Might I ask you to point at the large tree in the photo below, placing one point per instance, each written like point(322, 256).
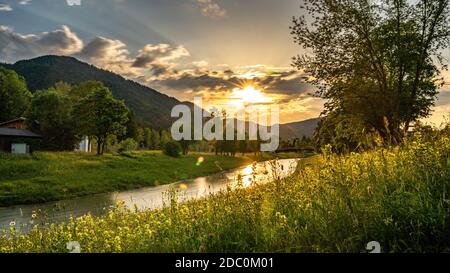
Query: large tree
point(14, 95)
point(99, 115)
point(376, 62)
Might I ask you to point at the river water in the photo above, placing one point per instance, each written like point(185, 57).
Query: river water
point(148, 197)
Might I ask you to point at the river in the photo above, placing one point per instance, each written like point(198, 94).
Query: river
point(148, 197)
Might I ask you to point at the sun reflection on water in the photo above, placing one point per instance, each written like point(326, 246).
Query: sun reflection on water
point(246, 176)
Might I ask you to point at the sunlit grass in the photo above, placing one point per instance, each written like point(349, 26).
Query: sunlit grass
point(398, 197)
point(53, 176)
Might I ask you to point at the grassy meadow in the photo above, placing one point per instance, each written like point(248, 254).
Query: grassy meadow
point(396, 196)
point(46, 176)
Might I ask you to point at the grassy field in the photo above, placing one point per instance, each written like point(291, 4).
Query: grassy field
point(54, 176)
point(398, 197)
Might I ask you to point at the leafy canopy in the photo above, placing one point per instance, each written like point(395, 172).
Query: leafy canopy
point(376, 62)
point(50, 115)
point(99, 115)
point(14, 95)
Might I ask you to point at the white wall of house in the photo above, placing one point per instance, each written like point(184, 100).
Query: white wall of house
point(84, 146)
point(19, 148)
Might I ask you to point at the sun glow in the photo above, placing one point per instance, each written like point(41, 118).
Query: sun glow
point(248, 95)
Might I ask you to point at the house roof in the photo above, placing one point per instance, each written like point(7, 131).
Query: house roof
point(12, 121)
point(7, 132)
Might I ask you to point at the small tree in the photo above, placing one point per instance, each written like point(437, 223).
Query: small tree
point(166, 137)
point(14, 95)
point(132, 127)
point(172, 149)
point(185, 144)
point(243, 146)
point(100, 115)
point(50, 115)
point(148, 138)
point(156, 140)
point(128, 144)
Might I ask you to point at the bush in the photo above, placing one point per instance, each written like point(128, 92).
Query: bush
point(172, 149)
point(128, 144)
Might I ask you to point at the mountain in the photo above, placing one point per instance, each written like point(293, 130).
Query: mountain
point(148, 104)
point(289, 131)
point(298, 129)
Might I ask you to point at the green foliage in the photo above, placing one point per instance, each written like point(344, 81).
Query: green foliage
point(84, 89)
point(376, 62)
point(398, 197)
point(50, 115)
point(166, 137)
point(148, 104)
point(64, 113)
point(156, 140)
point(14, 95)
point(128, 144)
point(147, 138)
point(99, 115)
point(132, 128)
point(229, 147)
point(172, 148)
point(345, 134)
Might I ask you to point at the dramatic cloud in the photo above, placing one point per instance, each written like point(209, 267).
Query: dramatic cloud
point(15, 46)
point(285, 82)
point(62, 41)
point(5, 7)
point(108, 54)
point(162, 53)
point(153, 61)
point(164, 67)
point(211, 9)
point(159, 59)
point(104, 50)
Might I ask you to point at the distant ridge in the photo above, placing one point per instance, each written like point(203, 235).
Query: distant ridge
point(153, 107)
point(298, 129)
point(148, 104)
point(293, 130)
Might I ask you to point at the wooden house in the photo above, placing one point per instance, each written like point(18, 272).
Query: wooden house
point(15, 137)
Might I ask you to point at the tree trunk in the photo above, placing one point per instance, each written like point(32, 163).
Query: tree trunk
point(104, 146)
point(99, 146)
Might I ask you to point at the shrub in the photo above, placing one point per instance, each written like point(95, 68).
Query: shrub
point(128, 144)
point(172, 149)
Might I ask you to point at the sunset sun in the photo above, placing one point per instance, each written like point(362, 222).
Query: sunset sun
point(248, 95)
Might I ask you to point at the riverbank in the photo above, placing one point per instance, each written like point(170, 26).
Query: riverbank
point(397, 197)
point(44, 177)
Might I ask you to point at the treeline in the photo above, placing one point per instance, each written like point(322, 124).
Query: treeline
point(219, 147)
point(65, 114)
point(140, 136)
point(297, 143)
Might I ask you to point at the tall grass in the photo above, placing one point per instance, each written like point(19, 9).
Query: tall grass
point(398, 197)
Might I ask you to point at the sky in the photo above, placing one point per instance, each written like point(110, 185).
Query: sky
point(226, 51)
